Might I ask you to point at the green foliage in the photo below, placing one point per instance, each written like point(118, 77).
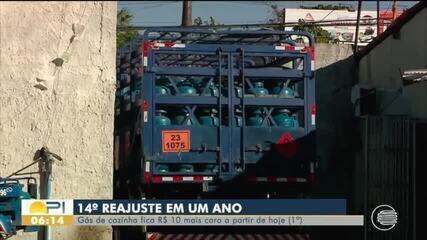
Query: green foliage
point(124, 17)
point(198, 21)
point(276, 14)
point(320, 34)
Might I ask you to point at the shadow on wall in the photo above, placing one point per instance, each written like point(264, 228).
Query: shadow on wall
point(338, 141)
point(336, 127)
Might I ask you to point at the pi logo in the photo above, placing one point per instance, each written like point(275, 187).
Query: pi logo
point(47, 207)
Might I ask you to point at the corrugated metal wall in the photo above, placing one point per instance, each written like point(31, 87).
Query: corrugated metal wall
point(386, 173)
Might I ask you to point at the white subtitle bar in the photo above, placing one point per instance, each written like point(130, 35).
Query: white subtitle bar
point(221, 220)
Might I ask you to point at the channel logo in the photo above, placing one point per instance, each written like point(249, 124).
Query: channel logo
point(47, 207)
point(384, 217)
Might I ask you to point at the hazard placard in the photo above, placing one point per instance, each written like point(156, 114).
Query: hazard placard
point(176, 140)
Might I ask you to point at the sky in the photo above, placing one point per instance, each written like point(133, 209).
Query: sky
point(168, 13)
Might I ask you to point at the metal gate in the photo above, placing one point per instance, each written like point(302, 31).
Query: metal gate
point(387, 169)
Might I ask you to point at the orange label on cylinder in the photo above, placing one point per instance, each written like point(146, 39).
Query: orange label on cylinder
point(176, 141)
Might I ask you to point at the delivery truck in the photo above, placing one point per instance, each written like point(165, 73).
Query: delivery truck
point(215, 111)
point(216, 114)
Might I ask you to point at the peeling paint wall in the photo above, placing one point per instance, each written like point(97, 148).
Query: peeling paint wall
point(57, 83)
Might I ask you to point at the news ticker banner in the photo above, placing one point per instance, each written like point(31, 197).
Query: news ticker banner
point(237, 212)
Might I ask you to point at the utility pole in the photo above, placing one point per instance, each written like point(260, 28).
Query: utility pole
point(284, 18)
point(356, 39)
point(186, 14)
point(378, 17)
point(393, 9)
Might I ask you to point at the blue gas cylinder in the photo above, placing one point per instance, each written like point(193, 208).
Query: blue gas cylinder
point(183, 118)
point(211, 168)
point(283, 90)
point(197, 82)
point(258, 89)
point(211, 90)
point(186, 168)
point(255, 118)
point(186, 88)
point(283, 118)
point(160, 119)
point(162, 86)
point(162, 168)
point(209, 118)
point(162, 90)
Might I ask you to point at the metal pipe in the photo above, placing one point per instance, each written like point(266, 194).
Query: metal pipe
point(356, 39)
point(20, 170)
point(45, 191)
point(219, 51)
point(45, 168)
point(242, 76)
point(47, 235)
point(231, 118)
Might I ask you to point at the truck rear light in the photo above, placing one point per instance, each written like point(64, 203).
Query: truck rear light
point(313, 114)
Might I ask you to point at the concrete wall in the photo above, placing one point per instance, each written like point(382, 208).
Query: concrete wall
point(328, 54)
point(380, 68)
point(74, 115)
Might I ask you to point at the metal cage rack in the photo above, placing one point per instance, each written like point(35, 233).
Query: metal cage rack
point(225, 59)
